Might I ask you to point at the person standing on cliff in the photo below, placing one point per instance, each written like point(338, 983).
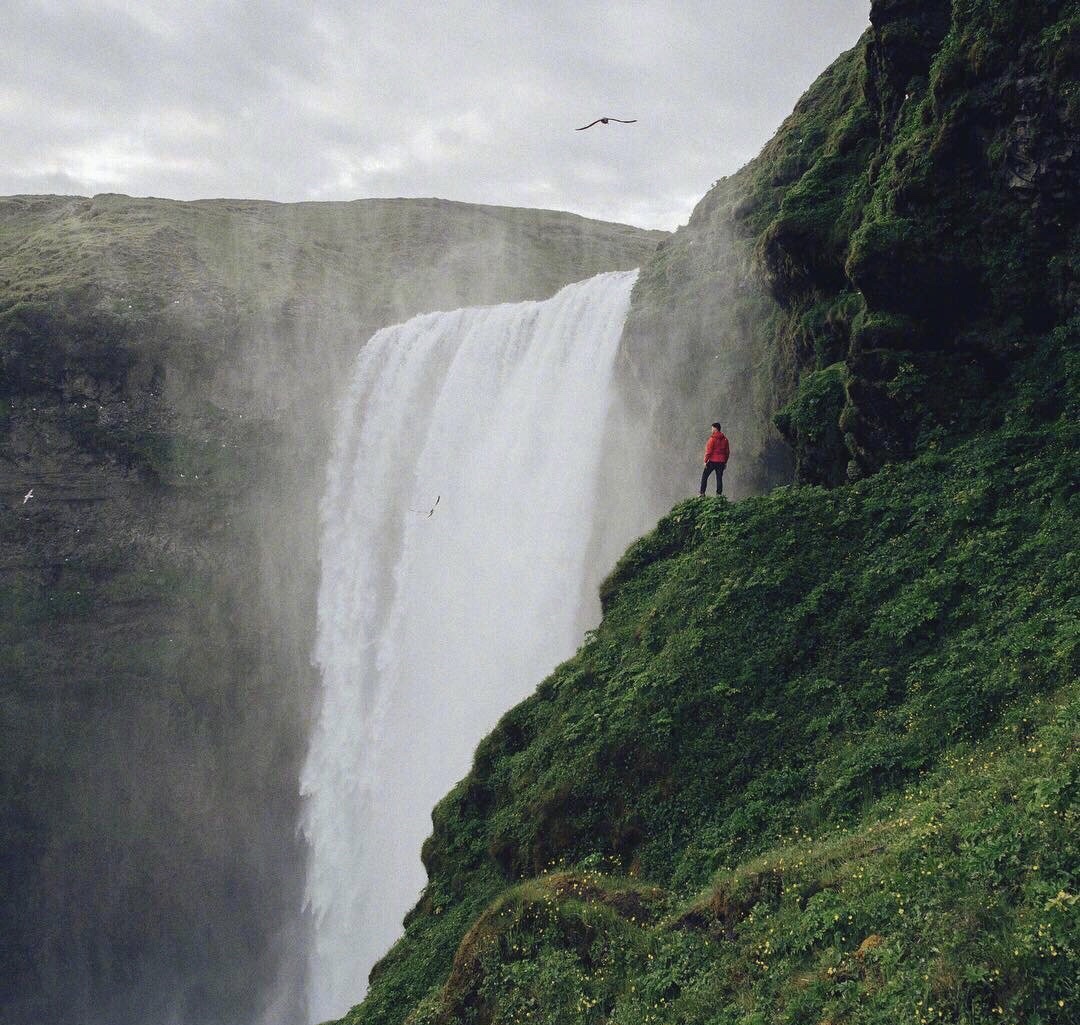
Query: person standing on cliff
point(717, 450)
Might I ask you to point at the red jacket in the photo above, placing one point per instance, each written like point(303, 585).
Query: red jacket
point(717, 449)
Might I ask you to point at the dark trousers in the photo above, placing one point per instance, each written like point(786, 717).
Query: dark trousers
point(709, 468)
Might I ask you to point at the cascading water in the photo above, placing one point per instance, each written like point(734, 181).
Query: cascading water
point(431, 624)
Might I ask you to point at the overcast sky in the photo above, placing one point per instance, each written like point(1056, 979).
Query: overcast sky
point(477, 101)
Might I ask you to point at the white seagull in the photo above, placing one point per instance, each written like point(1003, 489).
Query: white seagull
point(28, 496)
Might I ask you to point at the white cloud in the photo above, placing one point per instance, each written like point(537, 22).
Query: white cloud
point(466, 100)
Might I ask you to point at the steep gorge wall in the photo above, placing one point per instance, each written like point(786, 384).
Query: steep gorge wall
point(931, 244)
point(882, 265)
point(169, 376)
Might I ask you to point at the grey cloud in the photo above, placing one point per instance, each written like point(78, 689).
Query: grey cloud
point(472, 101)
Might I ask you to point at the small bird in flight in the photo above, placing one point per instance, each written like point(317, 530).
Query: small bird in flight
point(28, 496)
point(420, 512)
point(604, 121)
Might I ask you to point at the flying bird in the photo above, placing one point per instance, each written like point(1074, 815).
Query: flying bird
point(28, 496)
point(604, 121)
point(420, 512)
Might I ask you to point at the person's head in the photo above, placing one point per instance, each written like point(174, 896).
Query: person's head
point(716, 426)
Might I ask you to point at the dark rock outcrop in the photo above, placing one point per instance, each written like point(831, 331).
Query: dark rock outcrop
point(913, 221)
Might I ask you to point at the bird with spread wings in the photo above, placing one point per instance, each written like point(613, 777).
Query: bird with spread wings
point(604, 121)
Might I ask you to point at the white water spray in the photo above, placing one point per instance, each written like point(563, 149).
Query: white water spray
point(431, 626)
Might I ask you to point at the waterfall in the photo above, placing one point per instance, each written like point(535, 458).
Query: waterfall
point(433, 623)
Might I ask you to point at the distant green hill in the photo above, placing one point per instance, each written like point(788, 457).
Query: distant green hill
point(360, 253)
point(819, 762)
point(263, 297)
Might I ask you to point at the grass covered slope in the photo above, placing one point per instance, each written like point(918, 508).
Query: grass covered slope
point(818, 763)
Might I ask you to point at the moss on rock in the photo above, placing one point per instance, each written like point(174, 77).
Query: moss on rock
point(811, 421)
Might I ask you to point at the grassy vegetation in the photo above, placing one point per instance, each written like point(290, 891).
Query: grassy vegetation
point(812, 422)
point(829, 735)
point(952, 901)
point(818, 764)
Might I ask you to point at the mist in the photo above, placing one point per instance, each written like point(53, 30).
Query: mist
point(172, 381)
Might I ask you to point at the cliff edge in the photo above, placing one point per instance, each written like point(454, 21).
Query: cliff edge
point(817, 762)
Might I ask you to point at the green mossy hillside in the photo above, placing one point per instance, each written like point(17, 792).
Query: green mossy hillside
point(952, 901)
point(931, 239)
point(914, 218)
point(818, 764)
point(826, 737)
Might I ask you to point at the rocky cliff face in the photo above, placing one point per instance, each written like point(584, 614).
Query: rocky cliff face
point(900, 244)
point(169, 374)
point(947, 251)
point(710, 333)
